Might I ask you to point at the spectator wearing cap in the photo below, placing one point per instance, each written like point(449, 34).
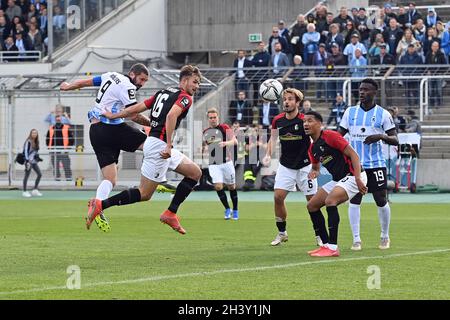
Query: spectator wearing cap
point(358, 69)
point(411, 57)
point(432, 18)
point(334, 37)
point(361, 25)
point(276, 38)
point(297, 34)
point(384, 57)
point(311, 42)
point(435, 57)
point(284, 33)
point(349, 50)
point(392, 36)
point(375, 49)
point(412, 16)
point(388, 13)
point(407, 39)
point(349, 32)
point(335, 59)
point(319, 59)
point(342, 19)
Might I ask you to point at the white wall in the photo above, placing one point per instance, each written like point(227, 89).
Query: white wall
point(140, 32)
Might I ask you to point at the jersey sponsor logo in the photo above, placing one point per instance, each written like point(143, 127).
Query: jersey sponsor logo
point(185, 102)
point(290, 137)
point(326, 159)
point(132, 94)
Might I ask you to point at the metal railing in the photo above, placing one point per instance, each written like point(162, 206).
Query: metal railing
point(16, 56)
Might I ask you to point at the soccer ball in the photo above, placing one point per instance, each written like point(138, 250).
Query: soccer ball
point(270, 90)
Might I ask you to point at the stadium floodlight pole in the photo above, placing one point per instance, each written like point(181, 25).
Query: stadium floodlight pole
point(50, 29)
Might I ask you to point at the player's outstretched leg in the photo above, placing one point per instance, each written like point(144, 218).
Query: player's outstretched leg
point(192, 175)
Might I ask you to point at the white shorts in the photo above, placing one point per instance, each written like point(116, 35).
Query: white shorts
point(153, 166)
point(347, 183)
point(287, 179)
point(222, 173)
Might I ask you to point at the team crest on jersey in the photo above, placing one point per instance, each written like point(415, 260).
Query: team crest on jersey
point(296, 127)
point(373, 119)
point(185, 102)
point(132, 94)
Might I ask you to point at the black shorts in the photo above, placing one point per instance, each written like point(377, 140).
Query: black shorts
point(107, 141)
point(376, 179)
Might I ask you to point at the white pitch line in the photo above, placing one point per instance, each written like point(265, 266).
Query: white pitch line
point(210, 273)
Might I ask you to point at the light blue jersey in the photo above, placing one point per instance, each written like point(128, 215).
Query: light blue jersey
point(361, 124)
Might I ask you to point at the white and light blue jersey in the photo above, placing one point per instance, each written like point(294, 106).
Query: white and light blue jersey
point(116, 93)
point(361, 124)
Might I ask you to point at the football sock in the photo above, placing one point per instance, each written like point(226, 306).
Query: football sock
point(128, 196)
point(281, 224)
point(183, 190)
point(354, 215)
point(384, 214)
point(104, 189)
point(333, 224)
point(223, 198)
point(234, 198)
point(319, 226)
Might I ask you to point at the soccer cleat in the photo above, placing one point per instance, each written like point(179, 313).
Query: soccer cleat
point(385, 243)
point(315, 250)
point(325, 252)
point(26, 194)
point(319, 241)
point(281, 237)
point(165, 188)
point(227, 214)
point(235, 214)
point(171, 219)
point(102, 223)
point(95, 208)
point(356, 246)
point(36, 193)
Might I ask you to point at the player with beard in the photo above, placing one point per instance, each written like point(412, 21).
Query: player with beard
point(294, 164)
point(167, 108)
point(108, 137)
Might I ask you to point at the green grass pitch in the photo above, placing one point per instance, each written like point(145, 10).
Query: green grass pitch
point(217, 259)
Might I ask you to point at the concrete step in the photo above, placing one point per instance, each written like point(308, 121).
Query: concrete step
point(427, 155)
point(438, 143)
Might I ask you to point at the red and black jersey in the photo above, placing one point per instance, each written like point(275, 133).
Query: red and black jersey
point(329, 151)
point(294, 141)
point(212, 136)
point(160, 104)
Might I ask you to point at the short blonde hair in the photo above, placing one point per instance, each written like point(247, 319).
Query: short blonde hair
point(212, 110)
point(297, 93)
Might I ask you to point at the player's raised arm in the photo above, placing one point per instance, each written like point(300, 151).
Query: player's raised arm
point(82, 83)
